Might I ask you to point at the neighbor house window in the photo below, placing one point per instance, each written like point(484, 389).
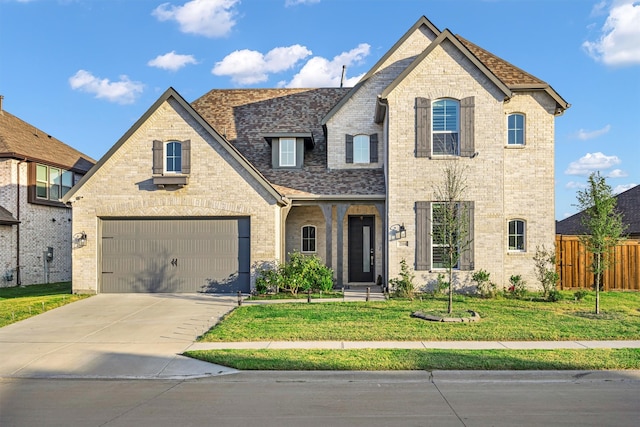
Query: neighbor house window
point(173, 156)
point(515, 129)
point(287, 151)
point(308, 238)
point(52, 183)
point(361, 149)
point(445, 127)
point(516, 235)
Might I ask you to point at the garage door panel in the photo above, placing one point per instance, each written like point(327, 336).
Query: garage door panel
point(175, 255)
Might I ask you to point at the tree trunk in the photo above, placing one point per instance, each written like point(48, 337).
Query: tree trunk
point(450, 308)
point(597, 269)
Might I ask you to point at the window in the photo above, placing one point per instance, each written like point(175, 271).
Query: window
point(445, 127)
point(287, 152)
point(432, 236)
point(308, 238)
point(173, 156)
point(52, 183)
point(516, 235)
point(361, 149)
point(515, 129)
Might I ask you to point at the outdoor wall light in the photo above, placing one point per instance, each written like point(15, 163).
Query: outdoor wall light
point(403, 231)
point(398, 231)
point(80, 239)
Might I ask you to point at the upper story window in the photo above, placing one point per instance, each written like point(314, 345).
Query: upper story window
point(516, 235)
point(515, 129)
point(52, 183)
point(361, 148)
point(173, 157)
point(309, 238)
point(446, 127)
point(287, 152)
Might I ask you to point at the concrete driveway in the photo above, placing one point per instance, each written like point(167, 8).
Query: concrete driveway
point(114, 336)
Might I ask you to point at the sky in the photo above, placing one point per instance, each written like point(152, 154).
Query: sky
point(85, 70)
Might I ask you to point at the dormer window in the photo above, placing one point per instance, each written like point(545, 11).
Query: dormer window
point(361, 148)
point(173, 156)
point(287, 152)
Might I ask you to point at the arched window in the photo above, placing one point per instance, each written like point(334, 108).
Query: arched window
point(445, 126)
point(515, 129)
point(361, 149)
point(308, 238)
point(517, 235)
point(173, 157)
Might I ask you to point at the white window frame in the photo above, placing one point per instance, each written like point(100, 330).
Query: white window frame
point(455, 133)
point(437, 245)
point(361, 147)
point(516, 130)
point(516, 235)
point(166, 157)
point(313, 239)
point(287, 157)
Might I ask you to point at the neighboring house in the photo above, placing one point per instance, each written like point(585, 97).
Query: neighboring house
point(624, 271)
point(36, 170)
point(195, 197)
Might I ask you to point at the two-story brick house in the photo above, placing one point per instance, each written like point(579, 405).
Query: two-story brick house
point(194, 197)
point(36, 170)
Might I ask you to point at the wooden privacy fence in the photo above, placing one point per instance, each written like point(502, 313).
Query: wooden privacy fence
point(573, 262)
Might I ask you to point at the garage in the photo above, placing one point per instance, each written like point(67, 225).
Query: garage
point(175, 255)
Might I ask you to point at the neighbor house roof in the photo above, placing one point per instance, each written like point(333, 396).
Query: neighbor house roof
point(246, 116)
point(21, 140)
point(628, 204)
point(6, 218)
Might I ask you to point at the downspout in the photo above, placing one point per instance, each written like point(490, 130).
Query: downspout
point(18, 278)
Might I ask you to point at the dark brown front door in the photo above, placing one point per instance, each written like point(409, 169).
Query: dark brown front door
point(361, 248)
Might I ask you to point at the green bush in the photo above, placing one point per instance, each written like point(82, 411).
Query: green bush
point(554, 295)
point(486, 288)
point(403, 286)
point(300, 273)
point(518, 287)
point(579, 295)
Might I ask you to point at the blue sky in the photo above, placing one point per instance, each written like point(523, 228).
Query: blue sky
point(85, 70)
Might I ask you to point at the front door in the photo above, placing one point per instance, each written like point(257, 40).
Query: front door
point(361, 244)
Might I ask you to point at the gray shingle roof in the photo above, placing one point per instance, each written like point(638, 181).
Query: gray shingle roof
point(628, 203)
point(244, 116)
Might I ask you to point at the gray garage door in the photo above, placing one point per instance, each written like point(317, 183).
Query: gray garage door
point(175, 255)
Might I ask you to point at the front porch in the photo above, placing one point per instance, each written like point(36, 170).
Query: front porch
point(348, 235)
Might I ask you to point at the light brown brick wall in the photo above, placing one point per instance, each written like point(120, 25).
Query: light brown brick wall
point(122, 187)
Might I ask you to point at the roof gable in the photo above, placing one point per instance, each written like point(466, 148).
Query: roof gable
point(21, 140)
point(171, 93)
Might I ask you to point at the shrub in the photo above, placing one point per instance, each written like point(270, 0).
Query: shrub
point(305, 273)
point(484, 285)
point(579, 295)
point(554, 295)
point(518, 286)
point(545, 267)
point(441, 285)
point(403, 286)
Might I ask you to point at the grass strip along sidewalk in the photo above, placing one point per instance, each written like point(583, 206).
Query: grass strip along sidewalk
point(503, 319)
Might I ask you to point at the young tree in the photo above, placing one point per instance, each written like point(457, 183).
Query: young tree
point(450, 223)
point(602, 224)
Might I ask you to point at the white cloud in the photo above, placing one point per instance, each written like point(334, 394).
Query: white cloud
point(210, 18)
point(320, 72)
point(250, 67)
point(172, 61)
point(617, 173)
point(591, 162)
point(573, 185)
point(623, 187)
point(585, 134)
point(124, 91)
point(288, 3)
point(619, 42)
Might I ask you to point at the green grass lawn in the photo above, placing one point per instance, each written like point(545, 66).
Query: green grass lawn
point(502, 319)
point(19, 303)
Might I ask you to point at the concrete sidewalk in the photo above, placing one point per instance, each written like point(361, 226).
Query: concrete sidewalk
point(420, 345)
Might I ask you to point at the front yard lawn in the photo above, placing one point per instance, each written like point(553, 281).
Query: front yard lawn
point(19, 303)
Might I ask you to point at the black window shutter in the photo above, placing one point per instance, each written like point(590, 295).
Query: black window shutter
point(423, 235)
point(158, 157)
point(467, 255)
point(349, 148)
point(373, 148)
point(186, 156)
point(467, 146)
point(423, 127)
